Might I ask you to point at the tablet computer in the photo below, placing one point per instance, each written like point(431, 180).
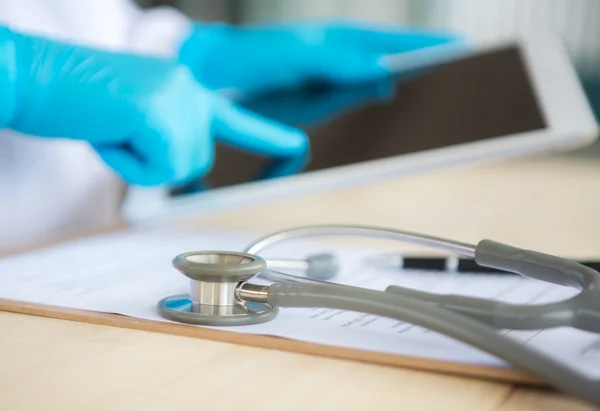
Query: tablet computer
point(443, 107)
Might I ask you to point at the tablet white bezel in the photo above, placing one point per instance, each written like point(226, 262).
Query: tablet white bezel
point(571, 124)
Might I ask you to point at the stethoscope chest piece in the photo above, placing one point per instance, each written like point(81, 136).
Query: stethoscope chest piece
point(214, 279)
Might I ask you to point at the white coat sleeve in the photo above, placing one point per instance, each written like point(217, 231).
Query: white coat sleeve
point(156, 31)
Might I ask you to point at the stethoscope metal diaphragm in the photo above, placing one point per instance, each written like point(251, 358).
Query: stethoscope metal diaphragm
point(212, 301)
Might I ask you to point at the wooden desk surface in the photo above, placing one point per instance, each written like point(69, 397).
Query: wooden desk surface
point(547, 204)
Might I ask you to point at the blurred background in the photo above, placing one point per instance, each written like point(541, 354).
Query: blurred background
point(577, 22)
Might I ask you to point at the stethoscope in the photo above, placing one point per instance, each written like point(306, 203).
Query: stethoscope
point(221, 294)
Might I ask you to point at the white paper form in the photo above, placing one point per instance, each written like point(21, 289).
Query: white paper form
point(129, 272)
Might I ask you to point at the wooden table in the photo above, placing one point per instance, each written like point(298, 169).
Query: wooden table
point(549, 204)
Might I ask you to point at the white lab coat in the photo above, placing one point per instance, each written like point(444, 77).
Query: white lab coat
point(49, 187)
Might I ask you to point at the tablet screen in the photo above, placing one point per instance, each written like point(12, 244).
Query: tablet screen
point(477, 97)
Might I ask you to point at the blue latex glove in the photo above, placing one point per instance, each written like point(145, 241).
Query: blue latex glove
point(255, 59)
point(148, 119)
point(308, 108)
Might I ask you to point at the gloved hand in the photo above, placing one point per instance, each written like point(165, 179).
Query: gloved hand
point(305, 108)
point(147, 118)
point(255, 59)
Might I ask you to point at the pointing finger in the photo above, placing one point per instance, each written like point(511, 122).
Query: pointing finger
point(243, 129)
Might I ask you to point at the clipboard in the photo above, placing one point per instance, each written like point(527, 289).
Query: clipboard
point(506, 375)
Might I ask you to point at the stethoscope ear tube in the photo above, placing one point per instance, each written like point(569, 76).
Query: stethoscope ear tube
point(532, 264)
point(440, 320)
point(536, 265)
point(580, 311)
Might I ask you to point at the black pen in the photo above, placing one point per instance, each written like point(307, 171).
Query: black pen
point(445, 264)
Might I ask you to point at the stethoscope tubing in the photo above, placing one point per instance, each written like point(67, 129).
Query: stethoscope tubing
point(429, 312)
point(445, 322)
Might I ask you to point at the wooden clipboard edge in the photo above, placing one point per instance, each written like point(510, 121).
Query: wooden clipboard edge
point(506, 375)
